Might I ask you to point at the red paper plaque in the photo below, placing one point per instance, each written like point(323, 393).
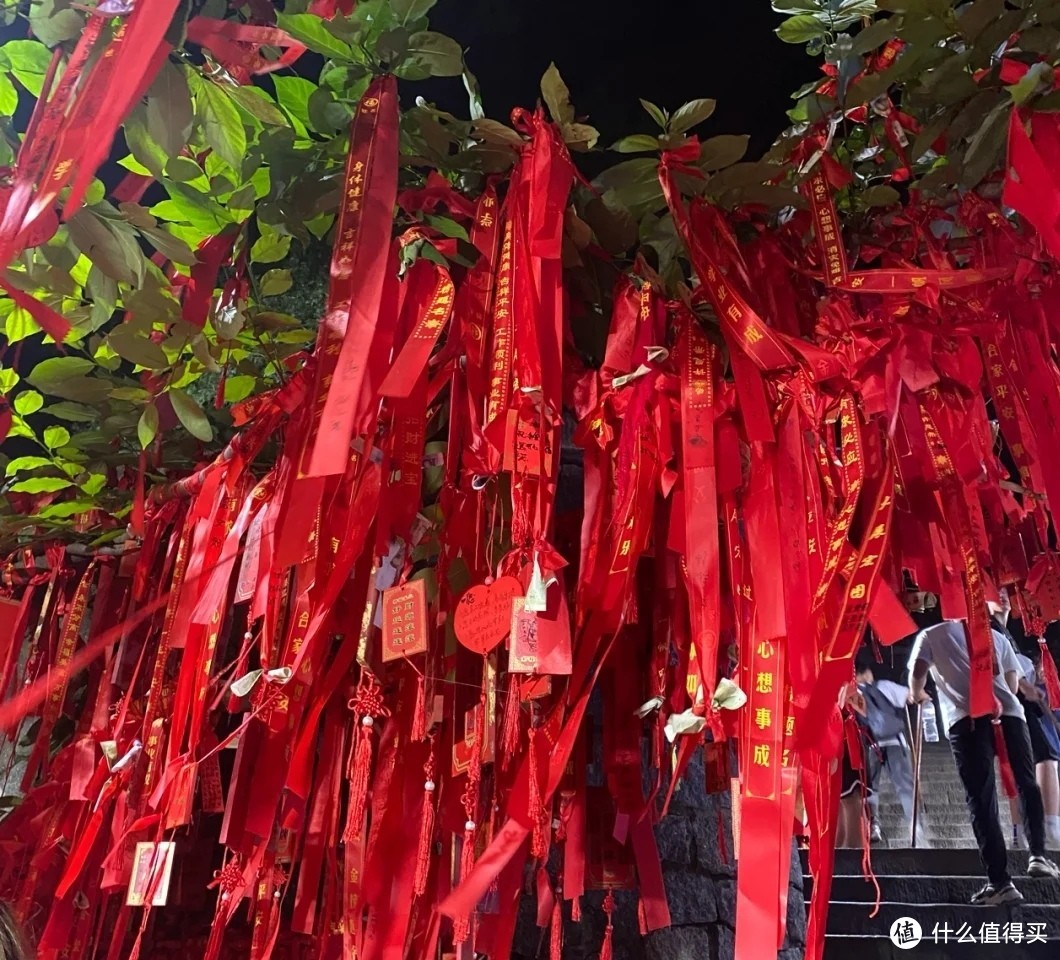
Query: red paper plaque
point(404, 621)
point(484, 614)
point(523, 446)
point(524, 653)
point(151, 872)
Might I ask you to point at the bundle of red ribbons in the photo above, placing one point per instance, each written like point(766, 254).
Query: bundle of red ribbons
point(338, 707)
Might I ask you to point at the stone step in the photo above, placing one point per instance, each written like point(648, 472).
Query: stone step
point(853, 918)
point(866, 946)
point(938, 861)
point(938, 889)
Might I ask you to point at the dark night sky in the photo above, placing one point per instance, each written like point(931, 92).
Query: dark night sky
point(610, 52)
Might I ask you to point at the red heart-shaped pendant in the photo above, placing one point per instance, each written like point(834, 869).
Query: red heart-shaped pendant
point(483, 615)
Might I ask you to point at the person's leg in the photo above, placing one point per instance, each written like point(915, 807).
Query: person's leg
point(1049, 784)
point(1020, 758)
point(900, 770)
point(973, 751)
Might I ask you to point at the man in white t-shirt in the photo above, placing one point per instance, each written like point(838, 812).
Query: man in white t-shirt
point(943, 649)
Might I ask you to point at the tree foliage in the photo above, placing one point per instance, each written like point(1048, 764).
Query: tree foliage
point(913, 95)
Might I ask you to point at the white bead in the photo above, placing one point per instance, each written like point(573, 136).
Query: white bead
point(367, 722)
point(248, 635)
point(470, 825)
point(276, 894)
point(429, 786)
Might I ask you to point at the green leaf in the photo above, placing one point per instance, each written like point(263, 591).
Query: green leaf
point(108, 244)
point(556, 95)
point(448, 227)
point(275, 282)
point(41, 485)
point(51, 373)
point(73, 412)
point(55, 437)
point(257, 103)
point(722, 151)
point(440, 54)
point(637, 143)
point(191, 415)
point(169, 111)
point(1040, 75)
point(28, 60)
point(8, 379)
point(169, 246)
point(408, 11)
point(239, 387)
point(187, 205)
point(52, 21)
point(270, 247)
point(656, 113)
point(68, 508)
point(27, 402)
point(94, 484)
point(82, 389)
point(8, 96)
point(801, 28)
point(880, 196)
point(692, 113)
point(875, 35)
point(310, 30)
point(151, 155)
point(222, 125)
point(293, 93)
point(20, 464)
point(137, 348)
point(147, 426)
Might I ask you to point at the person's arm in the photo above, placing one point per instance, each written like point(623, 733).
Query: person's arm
point(917, 680)
point(1012, 679)
point(1029, 690)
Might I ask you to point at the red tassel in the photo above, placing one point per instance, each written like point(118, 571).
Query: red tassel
point(423, 850)
point(1052, 679)
point(642, 918)
point(539, 844)
point(576, 910)
point(606, 952)
point(462, 925)
point(510, 723)
point(1008, 781)
point(555, 944)
point(419, 712)
point(360, 768)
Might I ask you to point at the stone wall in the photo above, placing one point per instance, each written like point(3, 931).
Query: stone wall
point(700, 881)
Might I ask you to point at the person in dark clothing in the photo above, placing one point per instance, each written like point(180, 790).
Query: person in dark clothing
point(943, 649)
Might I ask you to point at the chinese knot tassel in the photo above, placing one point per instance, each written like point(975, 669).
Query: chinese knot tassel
point(1052, 679)
point(539, 845)
point(510, 723)
point(423, 848)
point(367, 704)
point(606, 952)
point(419, 712)
point(462, 925)
point(555, 943)
point(576, 910)
point(360, 768)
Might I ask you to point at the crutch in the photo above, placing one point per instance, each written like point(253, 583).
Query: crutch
point(918, 749)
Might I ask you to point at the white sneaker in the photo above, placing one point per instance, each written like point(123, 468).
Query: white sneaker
point(1042, 867)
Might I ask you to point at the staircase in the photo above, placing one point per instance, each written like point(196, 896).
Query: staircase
point(933, 883)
